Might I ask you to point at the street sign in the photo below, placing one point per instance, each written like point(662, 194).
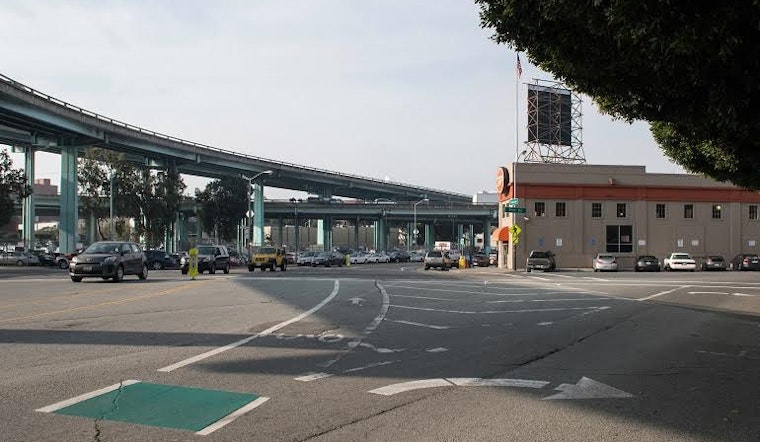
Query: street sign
point(515, 209)
point(513, 202)
point(249, 214)
point(515, 231)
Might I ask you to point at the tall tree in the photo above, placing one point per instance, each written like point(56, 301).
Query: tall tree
point(689, 68)
point(14, 187)
point(223, 204)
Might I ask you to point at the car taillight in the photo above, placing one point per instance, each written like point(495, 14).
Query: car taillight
point(746, 261)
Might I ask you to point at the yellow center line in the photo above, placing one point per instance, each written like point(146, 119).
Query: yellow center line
point(103, 304)
point(121, 288)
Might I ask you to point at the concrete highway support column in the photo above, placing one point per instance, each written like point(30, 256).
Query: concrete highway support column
point(258, 214)
point(325, 233)
point(280, 237)
point(69, 212)
point(381, 234)
point(29, 215)
point(410, 236)
point(471, 237)
point(356, 234)
point(91, 227)
point(487, 237)
point(460, 236)
point(429, 236)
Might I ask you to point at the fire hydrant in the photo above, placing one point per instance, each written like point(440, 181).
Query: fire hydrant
point(462, 262)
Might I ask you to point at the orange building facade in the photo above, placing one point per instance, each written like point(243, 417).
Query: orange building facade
point(577, 211)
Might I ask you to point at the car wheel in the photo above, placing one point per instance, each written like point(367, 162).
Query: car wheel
point(19, 262)
point(667, 268)
point(427, 268)
point(119, 274)
point(227, 269)
point(63, 264)
point(284, 266)
point(184, 271)
point(144, 273)
point(212, 269)
point(76, 278)
point(157, 266)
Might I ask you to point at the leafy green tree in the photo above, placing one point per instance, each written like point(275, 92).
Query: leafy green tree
point(14, 187)
point(223, 203)
point(689, 68)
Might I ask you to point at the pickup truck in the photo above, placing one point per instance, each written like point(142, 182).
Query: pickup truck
point(538, 260)
point(679, 261)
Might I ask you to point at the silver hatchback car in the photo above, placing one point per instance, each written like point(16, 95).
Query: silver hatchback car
point(605, 262)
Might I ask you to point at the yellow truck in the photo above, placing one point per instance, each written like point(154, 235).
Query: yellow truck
point(268, 258)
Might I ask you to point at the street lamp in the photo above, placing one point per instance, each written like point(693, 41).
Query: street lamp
point(295, 223)
point(252, 181)
point(415, 220)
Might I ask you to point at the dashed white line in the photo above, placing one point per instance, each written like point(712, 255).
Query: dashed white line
point(418, 324)
point(75, 400)
point(465, 312)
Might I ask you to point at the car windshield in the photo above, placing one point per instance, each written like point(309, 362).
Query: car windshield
point(266, 251)
point(205, 250)
point(715, 258)
point(681, 256)
point(104, 247)
point(434, 254)
point(647, 257)
point(606, 257)
point(539, 255)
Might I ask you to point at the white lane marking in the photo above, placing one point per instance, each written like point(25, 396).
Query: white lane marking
point(707, 293)
point(390, 390)
point(742, 294)
point(479, 292)
point(480, 382)
point(270, 330)
point(63, 404)
point(313, 377)
point(232, 416)
point(437, 350)
point(588, 389)
point(381, 349)
point(367, 330)
point(663, 293)
point(548, 300)
point(545, 323)
point(418, 324)
point(376, 364)
point(464, 312)
point(537, 277)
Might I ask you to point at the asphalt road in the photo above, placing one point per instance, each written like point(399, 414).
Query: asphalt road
point(387, 352)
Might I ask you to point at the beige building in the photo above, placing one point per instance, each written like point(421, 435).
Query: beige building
point(577, 211)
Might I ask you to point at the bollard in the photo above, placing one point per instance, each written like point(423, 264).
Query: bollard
point(193, 263)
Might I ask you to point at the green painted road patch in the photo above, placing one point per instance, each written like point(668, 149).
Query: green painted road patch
point(160, 405)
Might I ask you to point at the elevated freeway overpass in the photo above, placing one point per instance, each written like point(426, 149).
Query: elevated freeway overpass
point(32, 121)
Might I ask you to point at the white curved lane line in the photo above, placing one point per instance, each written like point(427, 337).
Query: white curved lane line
point(390, 390)
point(270, 330)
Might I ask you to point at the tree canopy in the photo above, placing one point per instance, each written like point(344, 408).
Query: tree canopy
point(14, 187)
point(689, 68)
point(224, 203)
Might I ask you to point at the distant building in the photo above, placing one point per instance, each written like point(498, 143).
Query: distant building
point(577, 211)
point(485, 198)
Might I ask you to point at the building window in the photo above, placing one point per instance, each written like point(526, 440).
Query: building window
point(716, 211)
point(688, 211)
point(619, 239)
point(753, 212)
point(560, 210)
point(596, 210)
point(621, 210)
point(540, 209)
point(659, 211)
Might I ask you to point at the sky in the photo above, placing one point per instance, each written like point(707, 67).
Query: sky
point(414, 91)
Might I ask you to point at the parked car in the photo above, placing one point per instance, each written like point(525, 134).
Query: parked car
point(679, 261)
point(18, 258)
point(745, 261)
point(358, 258)
point(109, 260)
point(210, 259)
point(328, 259)
point(381, 257)
point(604, 262)
point(538, 260)
point(437, 259)
point(416, 257)
point(305, 258)
point(647, 263)
point(480, 260)
point(713, 262)
point(159, 260)
point(399, 256)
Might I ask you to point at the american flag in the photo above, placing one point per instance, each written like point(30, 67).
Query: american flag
point(519, 67)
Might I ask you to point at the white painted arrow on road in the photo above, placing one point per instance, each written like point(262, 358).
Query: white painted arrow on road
point(357, 301)
point(588, 389)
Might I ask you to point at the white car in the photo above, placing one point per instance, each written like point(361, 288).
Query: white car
point(305, 258)
point(679, 261)
point(358, 258)
point(372, 257)
point(18, 258)
point(382, 257)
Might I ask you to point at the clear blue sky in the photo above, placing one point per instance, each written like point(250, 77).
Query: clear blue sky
point(410, 90)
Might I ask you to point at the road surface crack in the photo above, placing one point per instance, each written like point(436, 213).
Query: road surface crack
point(114, 407)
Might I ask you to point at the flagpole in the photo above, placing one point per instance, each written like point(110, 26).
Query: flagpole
point(518, 73)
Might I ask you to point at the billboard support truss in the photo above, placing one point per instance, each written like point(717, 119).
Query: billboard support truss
point(554, 124)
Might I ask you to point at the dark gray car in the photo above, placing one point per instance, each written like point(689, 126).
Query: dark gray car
point(109, 260)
